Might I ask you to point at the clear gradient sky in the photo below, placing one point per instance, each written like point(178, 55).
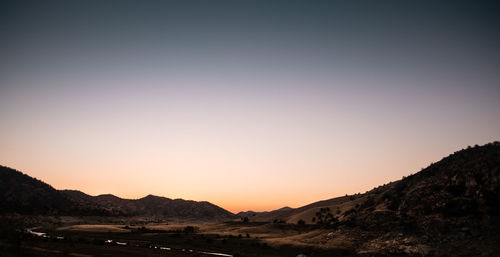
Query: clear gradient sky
point(249, 105)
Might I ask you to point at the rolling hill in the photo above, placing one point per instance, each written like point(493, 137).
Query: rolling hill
point(156, 206)
point(23, 194)
point(451, 207)
point(463, 184)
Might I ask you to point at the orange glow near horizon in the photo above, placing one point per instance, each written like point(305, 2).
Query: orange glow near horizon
point(259, 154)
point(263, 187)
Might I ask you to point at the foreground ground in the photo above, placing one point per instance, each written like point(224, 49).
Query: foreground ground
point(160, 239)
point(69, 236)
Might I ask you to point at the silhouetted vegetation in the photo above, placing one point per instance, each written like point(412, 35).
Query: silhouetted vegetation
point(278, 221)
point(325, 218)
point(190, 229)
point(26, 195)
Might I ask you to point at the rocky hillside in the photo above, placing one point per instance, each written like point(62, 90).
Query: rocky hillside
point(465, 183)
point(22, 194)
point(451, 207)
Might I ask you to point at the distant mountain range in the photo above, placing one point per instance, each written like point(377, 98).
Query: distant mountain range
point(451, 208)
point(263, 213)
point(462, 185)
point(23, 194)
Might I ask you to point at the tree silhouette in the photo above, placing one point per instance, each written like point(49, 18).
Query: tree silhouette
point(325, 218)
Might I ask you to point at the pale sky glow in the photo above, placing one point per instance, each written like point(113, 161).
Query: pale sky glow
point(212, 106)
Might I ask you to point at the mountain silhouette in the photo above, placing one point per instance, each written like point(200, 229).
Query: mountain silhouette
point(23, 194)
point(464, 184)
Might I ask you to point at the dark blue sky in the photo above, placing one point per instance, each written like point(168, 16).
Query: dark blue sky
point(415, 38)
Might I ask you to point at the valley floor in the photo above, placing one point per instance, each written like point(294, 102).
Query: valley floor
point(209, 239)
point(228, 239)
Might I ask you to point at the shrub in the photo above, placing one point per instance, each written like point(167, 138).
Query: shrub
point(324, 217)
point(189, 229)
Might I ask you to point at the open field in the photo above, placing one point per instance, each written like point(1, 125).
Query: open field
point(95, 228)
point(227, 239)
point(209, 239)
point(268, 233)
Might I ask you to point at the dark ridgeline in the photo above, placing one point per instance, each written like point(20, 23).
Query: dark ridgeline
point(23, 194)
point(155, 206)
point(452, 206)
point(466, 183)
point(459, 195)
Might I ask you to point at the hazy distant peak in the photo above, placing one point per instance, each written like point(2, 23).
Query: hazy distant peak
point(150, 196)
point(108, 196)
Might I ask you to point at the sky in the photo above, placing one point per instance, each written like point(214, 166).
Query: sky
point(251, 105)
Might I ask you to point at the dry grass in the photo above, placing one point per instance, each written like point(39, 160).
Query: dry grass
point(270, 233)
point(95, 228)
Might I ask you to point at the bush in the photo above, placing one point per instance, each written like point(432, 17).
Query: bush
point(278, 221)
point(325, 218)
point(189, 229)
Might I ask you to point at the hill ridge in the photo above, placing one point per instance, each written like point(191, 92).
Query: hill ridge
point(23, 194)
point(437, 176)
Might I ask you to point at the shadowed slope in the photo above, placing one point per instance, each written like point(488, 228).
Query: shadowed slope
point(24, 194)
point(20, 193)
point(466, 183)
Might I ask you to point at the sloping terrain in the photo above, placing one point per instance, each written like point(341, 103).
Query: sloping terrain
point(163, 207)
point(265, 215)
point(451, 207)
point(463, 184)
point(22, 194)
